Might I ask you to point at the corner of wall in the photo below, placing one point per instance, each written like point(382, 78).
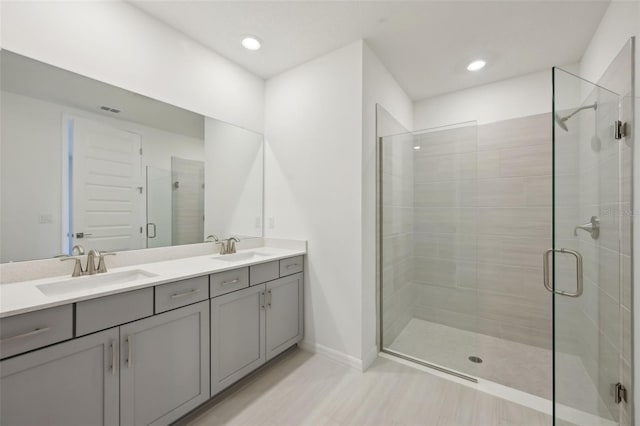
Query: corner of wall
point(313, 115)
point(378, 87)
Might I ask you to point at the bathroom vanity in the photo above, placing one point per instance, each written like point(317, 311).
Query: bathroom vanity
point(144, 344)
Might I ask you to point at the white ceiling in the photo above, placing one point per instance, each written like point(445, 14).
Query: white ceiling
point(425, 44)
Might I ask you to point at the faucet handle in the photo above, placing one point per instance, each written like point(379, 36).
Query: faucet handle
point(102, 266)
point(211, 238)
point(77, 268)
point(223, 246)
point(77, 250)
point(592, 227)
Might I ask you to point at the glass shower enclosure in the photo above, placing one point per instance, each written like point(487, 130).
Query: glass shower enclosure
point(588, 268)
point(505, 248)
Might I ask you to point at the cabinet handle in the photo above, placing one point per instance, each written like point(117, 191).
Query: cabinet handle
point(292, 265)
point(269, 298)
point(130, 351)
point(114, 358)
point(27, 334)
point(262, 297)
point(237, 280)
point(186, 293)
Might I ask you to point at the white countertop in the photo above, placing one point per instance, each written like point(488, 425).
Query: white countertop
point(20, 297)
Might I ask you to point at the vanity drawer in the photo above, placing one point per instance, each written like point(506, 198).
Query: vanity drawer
point(228, 281)
point(109, 311)
point(24, 332)
point(264, 272)
point(292, 265)
point(181, 293)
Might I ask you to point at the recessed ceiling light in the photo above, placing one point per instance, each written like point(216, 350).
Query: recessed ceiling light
point(417, 147)
point(251, 43)
point(476, 65)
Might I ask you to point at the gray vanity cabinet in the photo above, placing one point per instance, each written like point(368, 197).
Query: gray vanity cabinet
point(237, 335)
point(284, 319)
point(253, 325)
point(155, 359)
point(164, 366)
point(72, 383)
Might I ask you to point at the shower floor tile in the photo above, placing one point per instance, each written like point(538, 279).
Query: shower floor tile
point(516, 365)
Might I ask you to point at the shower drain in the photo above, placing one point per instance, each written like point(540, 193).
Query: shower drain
point(475, 359)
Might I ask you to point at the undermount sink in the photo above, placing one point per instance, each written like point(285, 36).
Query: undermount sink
point(93, 282)
point(242, 257)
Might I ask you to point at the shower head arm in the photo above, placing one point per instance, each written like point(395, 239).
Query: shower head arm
point(593, 106)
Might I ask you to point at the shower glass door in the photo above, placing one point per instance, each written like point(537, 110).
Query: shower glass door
point(428, 247)
point(584, 268)
point(159, 192)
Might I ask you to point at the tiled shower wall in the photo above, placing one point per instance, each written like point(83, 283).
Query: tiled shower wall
point(482, 220)
point(397, 234)
point(187, 201)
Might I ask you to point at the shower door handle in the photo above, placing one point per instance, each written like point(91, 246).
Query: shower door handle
point(154, 230)
point(579, 272)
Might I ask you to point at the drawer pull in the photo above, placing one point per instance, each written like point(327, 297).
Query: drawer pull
point(292, 265)
point(237, 280)
point(269, 298)
point(28, 334)
point(186, 293)
point(130, 351)
point(114, 358)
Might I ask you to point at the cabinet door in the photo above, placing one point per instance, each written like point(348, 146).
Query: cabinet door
point(284, 313)
point(164, 366)
point(237, 335)
point(71, 383)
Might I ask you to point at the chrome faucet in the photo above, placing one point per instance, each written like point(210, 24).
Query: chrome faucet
point(90, 268)
point(91, 262)
point(228, 246)
point(231, 244)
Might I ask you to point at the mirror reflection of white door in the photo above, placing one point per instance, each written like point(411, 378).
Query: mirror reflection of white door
point(107, 202)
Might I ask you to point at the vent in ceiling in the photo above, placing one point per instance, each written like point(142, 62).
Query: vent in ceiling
point(113, 110)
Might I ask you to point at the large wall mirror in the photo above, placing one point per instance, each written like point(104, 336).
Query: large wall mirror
point(87, 163)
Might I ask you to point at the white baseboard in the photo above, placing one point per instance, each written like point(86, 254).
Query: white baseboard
point(337, 356)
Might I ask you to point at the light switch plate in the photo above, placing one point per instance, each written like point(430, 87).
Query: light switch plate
point(45, 219)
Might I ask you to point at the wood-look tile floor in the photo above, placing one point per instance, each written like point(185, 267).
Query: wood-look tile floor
point(300, 388)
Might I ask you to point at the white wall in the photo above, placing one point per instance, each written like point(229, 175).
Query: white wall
point(320, 186)
point(620, 22)
point(233, 180)
point(313, 128)
point(516, 97)
point(32, 164)
point(114, 42)
point(379, 87)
